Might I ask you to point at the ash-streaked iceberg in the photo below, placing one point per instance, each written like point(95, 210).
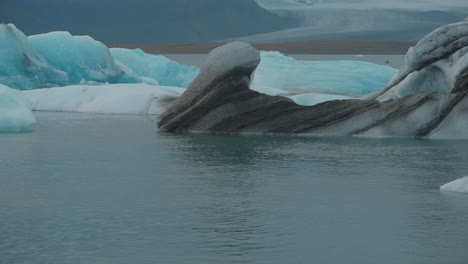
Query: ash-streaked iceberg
point(278, 74)
point(224, 104)
point(459, 185)
point(108, 99)
point(437, 63)
point(15, 114)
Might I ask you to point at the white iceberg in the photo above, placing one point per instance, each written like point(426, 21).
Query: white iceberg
point(15, 115)
point(278, 74)
point(459, 185)
point(108, 99)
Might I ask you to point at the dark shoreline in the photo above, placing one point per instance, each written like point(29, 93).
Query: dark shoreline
point(300, 47)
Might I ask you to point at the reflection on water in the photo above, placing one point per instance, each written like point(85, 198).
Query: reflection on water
point(111, 189)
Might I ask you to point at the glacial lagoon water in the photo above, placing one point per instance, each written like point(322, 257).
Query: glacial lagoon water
point(395, 61)
point(100, 189)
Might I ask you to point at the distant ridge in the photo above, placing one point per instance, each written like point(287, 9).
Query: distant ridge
point(299, 47)
point(143, 21)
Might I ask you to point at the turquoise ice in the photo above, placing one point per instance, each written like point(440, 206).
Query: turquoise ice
point(60, 59)
point(280, 74)
point(157, 67)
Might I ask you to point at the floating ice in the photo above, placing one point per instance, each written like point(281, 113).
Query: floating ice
point(278, 74)
point(21, 66)
point(316, 98)
point(109, 99)
point(459, 185)
point(81, 57)
point(15, 115)
point(165, 71)
point(60, 59)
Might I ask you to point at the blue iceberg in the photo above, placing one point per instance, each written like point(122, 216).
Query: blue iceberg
point(82, 58)
point(167, 72)
point(60, 59)
point(278, 74)
point(15, 114)
point(21, 66)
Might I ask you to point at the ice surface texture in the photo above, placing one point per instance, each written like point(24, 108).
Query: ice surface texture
point(15, 115)
point(60, 59)
point(459, 185)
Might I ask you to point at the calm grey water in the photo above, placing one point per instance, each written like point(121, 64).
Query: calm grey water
point(111, 189)
point(395, 61)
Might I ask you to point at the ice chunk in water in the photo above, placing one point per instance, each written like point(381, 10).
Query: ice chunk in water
point(459, 185)
point(15, 114)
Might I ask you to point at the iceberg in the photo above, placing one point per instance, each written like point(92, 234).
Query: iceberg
point(59, 59)
point(21, 66)
point(459, 185)
point(165, 71)
point(15, 115)
point(278, 74)
point(220, 101)
point(108, 99)
point(437, 63)
point(82, 58)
